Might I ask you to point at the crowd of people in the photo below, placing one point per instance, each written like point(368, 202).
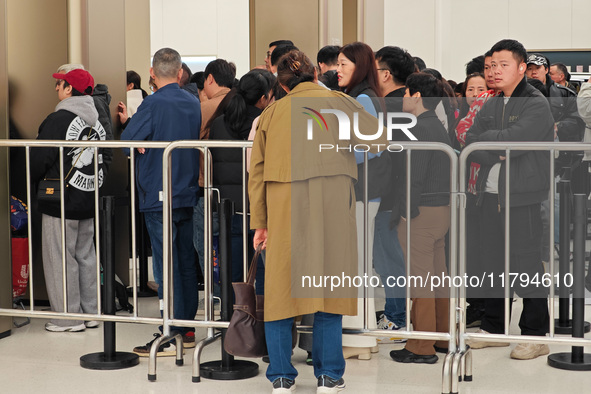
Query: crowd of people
point(305, 206)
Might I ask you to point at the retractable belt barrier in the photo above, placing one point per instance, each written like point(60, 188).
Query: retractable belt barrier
point(457, 362)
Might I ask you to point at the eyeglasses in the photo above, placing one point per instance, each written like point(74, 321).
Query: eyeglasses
point(58, 82)
point(384, 69)
point(268, 53)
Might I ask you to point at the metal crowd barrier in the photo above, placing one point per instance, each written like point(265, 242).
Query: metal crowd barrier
point(32, 312)
point(204, 146)
point(459, 356)
point(463, 358)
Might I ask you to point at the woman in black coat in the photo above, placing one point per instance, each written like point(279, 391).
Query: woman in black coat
point(233, 121)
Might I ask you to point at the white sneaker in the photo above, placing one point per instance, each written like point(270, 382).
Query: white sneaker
point(55, 328)
point(385, 324)
point(477, 344)
point(91, 324)
point(528, 351)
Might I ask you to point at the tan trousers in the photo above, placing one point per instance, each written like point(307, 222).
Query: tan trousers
point(430, 309)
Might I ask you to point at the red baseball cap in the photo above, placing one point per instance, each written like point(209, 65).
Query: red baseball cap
point(79, 79)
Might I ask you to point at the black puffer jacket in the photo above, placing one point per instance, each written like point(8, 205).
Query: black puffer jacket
point(227, 162)
point(525, 117)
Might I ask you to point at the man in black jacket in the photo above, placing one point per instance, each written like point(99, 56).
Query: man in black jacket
point(520, 113)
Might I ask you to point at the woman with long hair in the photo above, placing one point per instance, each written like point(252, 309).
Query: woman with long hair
point(358, 77)
point(232, 121)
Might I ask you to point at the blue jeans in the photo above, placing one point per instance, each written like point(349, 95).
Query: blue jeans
point(327, 351)
point(184, 271)
point(388, 261)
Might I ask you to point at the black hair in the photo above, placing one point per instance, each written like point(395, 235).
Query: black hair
point(476, 65)
point(279, 51)
point(199, 79)
point(513, 46)
point(488, 53)
point(294, 68)
point(186, 78)
point(399, 62)
point(464, 107)
point(222, 71)
point(280, 42)
point(419, 63)
point(563, 69)
point(252, 86)
point(431, 88)
point(77, 92)
point(328, 55)
point(136, 80)
point(433, 72)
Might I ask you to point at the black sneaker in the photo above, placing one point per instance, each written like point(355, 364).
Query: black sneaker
point(309, 359)
point(165, 349)
point(406, 356)
point(283, 385)
point(327, 385)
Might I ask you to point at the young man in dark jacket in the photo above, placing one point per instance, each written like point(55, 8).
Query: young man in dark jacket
point(520, 113)
point(75, 118)
point(170, 114)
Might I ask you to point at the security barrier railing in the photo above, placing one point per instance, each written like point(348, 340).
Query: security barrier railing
point(459, 355)
point(409, 147)
point(463, 358)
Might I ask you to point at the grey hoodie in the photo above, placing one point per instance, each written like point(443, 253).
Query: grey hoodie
point(82, 106)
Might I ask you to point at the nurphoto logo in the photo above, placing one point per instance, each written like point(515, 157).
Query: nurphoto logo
point(344, 131)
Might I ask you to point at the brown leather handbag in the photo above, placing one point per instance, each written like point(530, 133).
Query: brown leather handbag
point(246, 334)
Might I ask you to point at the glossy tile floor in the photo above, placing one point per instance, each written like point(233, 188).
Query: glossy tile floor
point(33, 360)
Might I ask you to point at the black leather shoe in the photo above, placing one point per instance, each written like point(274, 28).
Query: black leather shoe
point(440, 349)
point(406, 356)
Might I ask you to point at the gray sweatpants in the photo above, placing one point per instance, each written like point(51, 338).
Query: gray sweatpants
point(80, 263)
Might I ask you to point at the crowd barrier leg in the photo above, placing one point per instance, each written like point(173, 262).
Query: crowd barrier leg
point(178, 338)
point(447, 373)
point(108, 359)
point(228, 368)
point(197, 355)
point(468, 365)
point(577, 360)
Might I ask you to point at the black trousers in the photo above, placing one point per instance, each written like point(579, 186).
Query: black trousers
point(525, 231)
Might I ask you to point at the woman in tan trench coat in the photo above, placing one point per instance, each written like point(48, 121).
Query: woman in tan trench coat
point(302, 206)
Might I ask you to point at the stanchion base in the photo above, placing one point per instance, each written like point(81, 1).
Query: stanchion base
point(241, 369)
point(564, 361)
point(568, 329)
point(467, 378)
point(100, 361)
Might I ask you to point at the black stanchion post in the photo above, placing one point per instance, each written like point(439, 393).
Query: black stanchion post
point(228, 368)
point(142, 244)
point(109, 358)
point(576, 360)
point(563, 323)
